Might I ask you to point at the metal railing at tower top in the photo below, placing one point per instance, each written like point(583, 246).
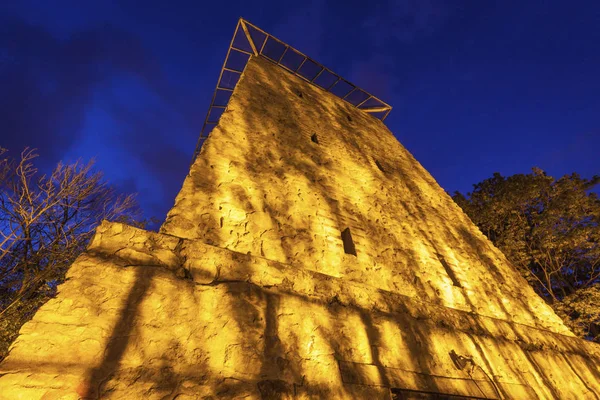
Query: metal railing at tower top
point(249, 40)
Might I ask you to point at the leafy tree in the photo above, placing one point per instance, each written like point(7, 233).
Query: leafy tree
point(550, 230)
point(45, 223)
point(581, 312)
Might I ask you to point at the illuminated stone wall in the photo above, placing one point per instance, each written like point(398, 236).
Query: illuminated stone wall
point(151, 316)
point(262, 186)
point(248, 292)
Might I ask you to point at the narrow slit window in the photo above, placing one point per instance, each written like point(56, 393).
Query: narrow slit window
point(349, 247)
point(379, 166)
point(314, 138)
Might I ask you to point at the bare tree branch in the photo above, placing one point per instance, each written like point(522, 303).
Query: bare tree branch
point(45, 223)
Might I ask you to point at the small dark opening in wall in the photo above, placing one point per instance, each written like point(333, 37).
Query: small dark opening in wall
point(379, 166)
point(349, 118)
point(314, 138)
point(349, 247)
point(298, 93)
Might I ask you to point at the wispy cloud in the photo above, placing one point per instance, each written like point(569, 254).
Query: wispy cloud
point(50, 86)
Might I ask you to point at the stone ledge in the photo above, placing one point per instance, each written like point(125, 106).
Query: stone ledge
point(209, 265)
point(371, 375)
point(125, 316)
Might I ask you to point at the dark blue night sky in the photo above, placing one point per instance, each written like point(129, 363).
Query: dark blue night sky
point(476, 86)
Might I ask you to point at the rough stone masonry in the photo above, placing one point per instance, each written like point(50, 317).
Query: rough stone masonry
point(308, 255)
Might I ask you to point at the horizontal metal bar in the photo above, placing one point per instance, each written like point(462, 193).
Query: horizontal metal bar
point(386, 108)
point(241, 51)
point(375, 109)
point(277, 40)
point(303, 78)
point(252, 25)
point(232, 70)
point(268, 58)
point(302, 54)
point(348, 82)
point(288, 69)
point(308, 58)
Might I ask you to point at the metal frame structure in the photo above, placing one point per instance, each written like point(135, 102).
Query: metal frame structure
point(249, 40)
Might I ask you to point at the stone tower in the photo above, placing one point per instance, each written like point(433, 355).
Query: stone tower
point(308, 255)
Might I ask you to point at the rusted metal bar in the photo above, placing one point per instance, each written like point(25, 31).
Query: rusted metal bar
point(301, 64)
point(364, 101)
point(242, 51)
point(375, 109)
point(212, 101)
point(350, 92)
point(264, 44)
point(307, 58)
point(232, 70)
point(383, 102)
point(255, 27)
point(247, 33)
point(287, 69)
point(284, 51)
point(386, 114)
point(334, 83)
point(303, 78)
point(259, 52)
point(277, 40)
point(319, 74)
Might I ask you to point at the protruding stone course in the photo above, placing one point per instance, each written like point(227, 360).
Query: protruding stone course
point(136, 246)
point(247, 326)
point(247, 291)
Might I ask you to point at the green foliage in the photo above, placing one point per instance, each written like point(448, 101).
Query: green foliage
point(581, 312)
point(46, 221)
point(549, 229)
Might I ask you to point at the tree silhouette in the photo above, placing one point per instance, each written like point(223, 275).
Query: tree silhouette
point(46, 221)
point(550, 230)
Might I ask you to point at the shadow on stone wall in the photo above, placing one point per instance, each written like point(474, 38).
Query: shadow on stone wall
point(257, 329)
point(261, 185)
point(278, 365)
point(214, 322)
